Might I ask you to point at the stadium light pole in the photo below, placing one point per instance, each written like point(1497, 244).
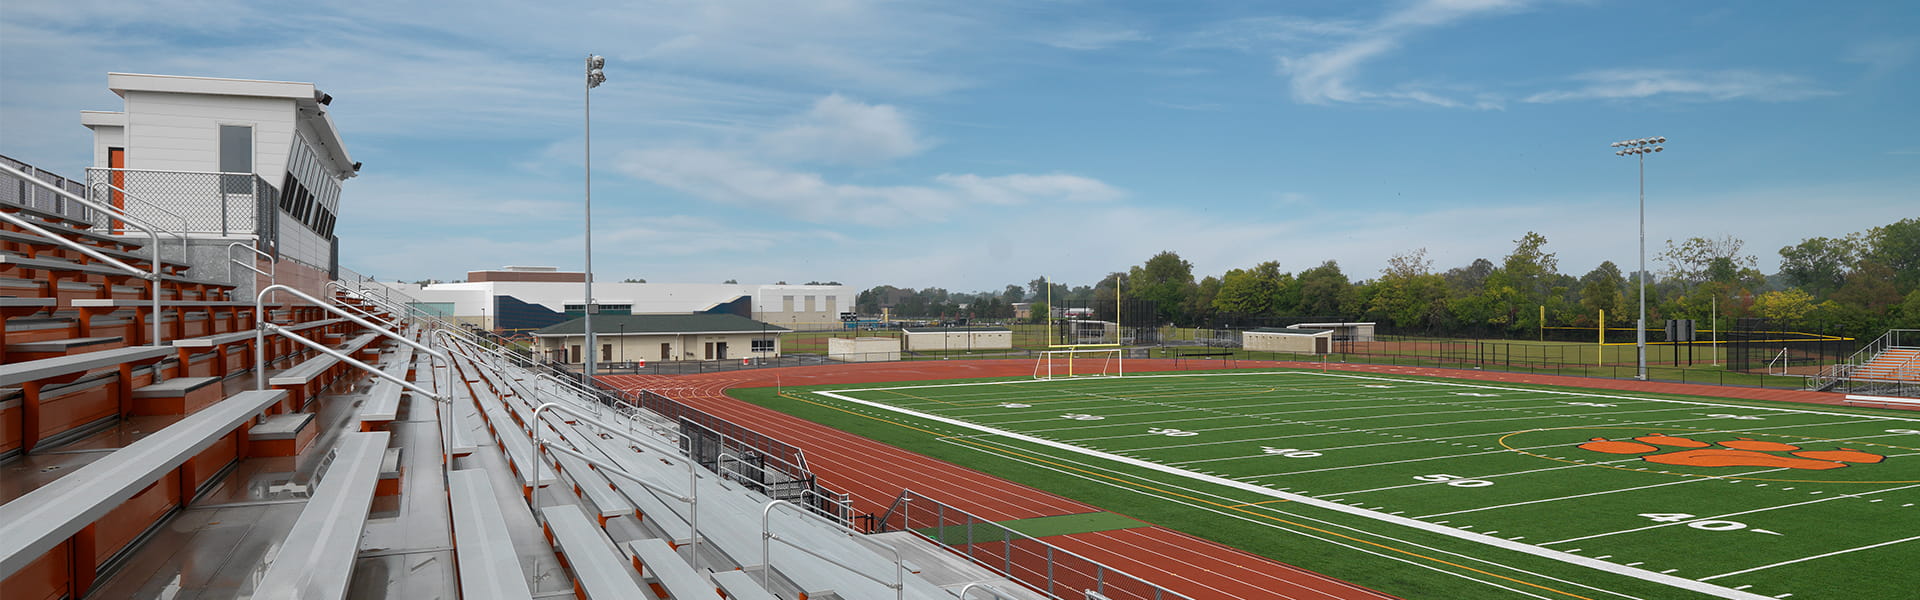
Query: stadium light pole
point(595, 77)
point(1641, 148)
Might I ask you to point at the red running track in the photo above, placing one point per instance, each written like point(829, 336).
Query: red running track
point(1183, 563)
point(1198, 568)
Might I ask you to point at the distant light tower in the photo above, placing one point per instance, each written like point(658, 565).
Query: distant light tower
point(1641, 148)
point(595, 77)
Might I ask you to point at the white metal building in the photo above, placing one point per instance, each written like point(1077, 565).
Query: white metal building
point(227, 160)
point(799, 307)
point(957, 338)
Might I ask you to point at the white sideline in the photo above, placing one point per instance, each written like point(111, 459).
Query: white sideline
point(1679, 582)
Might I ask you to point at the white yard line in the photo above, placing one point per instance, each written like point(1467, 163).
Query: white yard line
point(1662, 578)
point(1788, 562)
point(1309, 534)
point(1733, 514)
point(1601, 493)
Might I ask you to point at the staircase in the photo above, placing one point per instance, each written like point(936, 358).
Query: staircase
point(1888, 366)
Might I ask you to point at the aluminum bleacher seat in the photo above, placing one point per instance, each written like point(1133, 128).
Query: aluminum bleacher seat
point(671, 575)
point(317, 563)
point(489, 567)
point(41, 521)
point(600, 571)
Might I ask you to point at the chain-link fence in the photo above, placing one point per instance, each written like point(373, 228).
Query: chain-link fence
point(201, 202)
point(1043, 567)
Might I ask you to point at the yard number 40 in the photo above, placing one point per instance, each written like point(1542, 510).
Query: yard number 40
point(1454, 480)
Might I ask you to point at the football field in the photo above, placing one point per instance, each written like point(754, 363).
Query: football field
point(1492, 490)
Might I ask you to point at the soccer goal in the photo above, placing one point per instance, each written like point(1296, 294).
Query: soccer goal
point(1080, 362)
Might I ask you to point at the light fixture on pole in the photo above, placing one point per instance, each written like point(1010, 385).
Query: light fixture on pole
point(1641, 148)
point(595, 77)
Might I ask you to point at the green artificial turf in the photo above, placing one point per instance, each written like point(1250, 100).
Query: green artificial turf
point(1507, 464)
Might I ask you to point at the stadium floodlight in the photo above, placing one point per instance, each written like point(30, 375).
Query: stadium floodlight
point(1641, 148)
point(595, 76)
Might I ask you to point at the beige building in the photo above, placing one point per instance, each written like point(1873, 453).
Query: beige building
point(863, 349)
point(644, 338)
point(1297, 341)
point(958, 338)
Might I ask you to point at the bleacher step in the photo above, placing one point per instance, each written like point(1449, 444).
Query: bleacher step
point(177, 396)
point(285, 434)
point(26, 351)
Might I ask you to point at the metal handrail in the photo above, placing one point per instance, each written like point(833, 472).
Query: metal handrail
point(122, 213)
point(273, 278)
point(767, 538)
point(153, 277)
point(988, 588)
point(693, 475)
point(906, 500)
point(843, 505)
point(260, 337)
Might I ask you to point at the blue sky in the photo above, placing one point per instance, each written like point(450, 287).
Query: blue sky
point(973, 144)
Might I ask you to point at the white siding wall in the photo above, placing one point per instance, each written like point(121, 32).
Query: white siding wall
point(301, 244)
point(181, 132)
point(107, 137)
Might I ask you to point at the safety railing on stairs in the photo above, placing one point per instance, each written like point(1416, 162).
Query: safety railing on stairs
point(1042, 567)
point(152, 276)
point(1835, 374)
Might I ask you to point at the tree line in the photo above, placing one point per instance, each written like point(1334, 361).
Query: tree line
point(1859, 285)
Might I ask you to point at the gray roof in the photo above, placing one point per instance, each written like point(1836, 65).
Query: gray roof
point(1290, 330)
point(952, 329)
point(643, 324)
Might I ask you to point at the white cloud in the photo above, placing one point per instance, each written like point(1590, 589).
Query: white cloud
point(728, 178)
point(1328, 76)
point(1619, 84)
point(841, 131)
point(1094, 38)
point(1884, 55)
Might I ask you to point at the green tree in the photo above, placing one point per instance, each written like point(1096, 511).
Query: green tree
point(1248, 292)
point(1600, 290)
point(1166, 280)
point(1408, 294)
point(1786, 306)
point(1325, 291)
point(1692, 261)
point(1820, 265)
point(1897, 247)
point(1870, 287)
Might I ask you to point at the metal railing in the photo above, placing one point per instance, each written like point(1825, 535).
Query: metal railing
point(114, 196)
point(1043, 567)
point(18, 192)
point(208, 202)
point(152, 277)
point(1836, 373)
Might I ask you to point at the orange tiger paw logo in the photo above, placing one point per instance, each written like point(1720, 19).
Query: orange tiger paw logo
point(1743, 452)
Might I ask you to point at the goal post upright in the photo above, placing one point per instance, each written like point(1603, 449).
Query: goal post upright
point(1074, 347)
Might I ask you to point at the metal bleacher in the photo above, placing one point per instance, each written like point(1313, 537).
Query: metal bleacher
point(493, 479)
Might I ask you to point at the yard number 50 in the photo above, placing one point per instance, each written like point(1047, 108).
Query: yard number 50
point(1454, 480)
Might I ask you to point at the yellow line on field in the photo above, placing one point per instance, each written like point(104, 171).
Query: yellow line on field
point(1260, 503)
